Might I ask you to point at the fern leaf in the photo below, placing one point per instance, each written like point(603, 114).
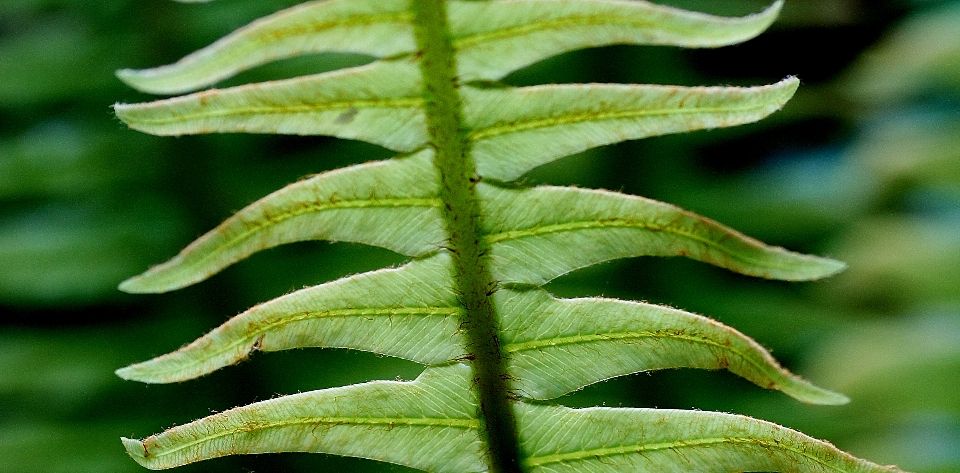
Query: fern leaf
point(557, 346)
point(379, 103)
point(392, 204)
point(495, 38)
point(514, 130)
point(609, 440)
point(409, 312)
point(480, 249)
point(429, 423)
point(380, 29)
point(538, 234)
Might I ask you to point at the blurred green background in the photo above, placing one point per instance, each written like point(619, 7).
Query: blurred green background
point(863, 165)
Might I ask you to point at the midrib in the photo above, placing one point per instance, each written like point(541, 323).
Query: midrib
point(461, 214)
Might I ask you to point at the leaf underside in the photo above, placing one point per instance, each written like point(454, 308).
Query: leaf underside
point(492, 40)
point(530, 235)
point(555, 346)
point(430, 424)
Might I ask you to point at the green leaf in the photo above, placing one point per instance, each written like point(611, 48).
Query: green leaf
point(409, 312)
point(601, 440)
point(557, 346)
point(495, 38)
point(379, 103)
point(540, 233)
point(514, 130)
point(379, 28)
point(428, 424)
point(391, 203)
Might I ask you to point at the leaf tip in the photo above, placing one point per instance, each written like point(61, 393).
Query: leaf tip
point(809, 268)
point(770, 14)
point(788, 86)
point(135, 449)
point(141, 372)
point(165, 369)
point(133, 286)
point(136, 79)
point(156, 280)
point(775, 8)
point(125, 74)
point(792, 80)
point(128, 373)
point(122, 111)
point(833, 398)
point(152, 81)
point(829, 267)
point(815, 395)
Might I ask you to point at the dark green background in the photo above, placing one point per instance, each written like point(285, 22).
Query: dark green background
point(863, 165)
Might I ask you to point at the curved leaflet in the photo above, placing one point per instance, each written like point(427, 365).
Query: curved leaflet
point(379, 103)
point(495, 38)
point(392, 204)
point(379, 29)
point(540, 233)
point(610, 440)
point(556, 346)
point(428, 424)
point(409, 312)
point(513, 130)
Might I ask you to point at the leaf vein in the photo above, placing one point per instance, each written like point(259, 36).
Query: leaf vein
point(273, 219)
point(260, 330)
point(587, 20)
point(574, 118)
point(620, 336)
point(584, 455)
point(316, 27)
point(621, 223)
point(406, 102)
point(373, 421)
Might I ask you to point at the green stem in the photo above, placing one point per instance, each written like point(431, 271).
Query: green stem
point(461, 213)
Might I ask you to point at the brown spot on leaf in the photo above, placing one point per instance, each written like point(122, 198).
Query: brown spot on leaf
point(347, 116)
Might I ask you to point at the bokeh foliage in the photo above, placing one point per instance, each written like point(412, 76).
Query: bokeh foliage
point(863, 165)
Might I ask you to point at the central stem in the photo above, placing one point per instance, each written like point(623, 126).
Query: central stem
point(461, 214)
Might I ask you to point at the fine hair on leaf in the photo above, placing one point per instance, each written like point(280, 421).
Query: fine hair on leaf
point(469, 305)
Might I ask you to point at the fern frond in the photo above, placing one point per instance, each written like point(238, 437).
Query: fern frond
point(469, 305)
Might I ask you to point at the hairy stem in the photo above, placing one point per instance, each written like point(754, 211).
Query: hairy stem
point(462, 220)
